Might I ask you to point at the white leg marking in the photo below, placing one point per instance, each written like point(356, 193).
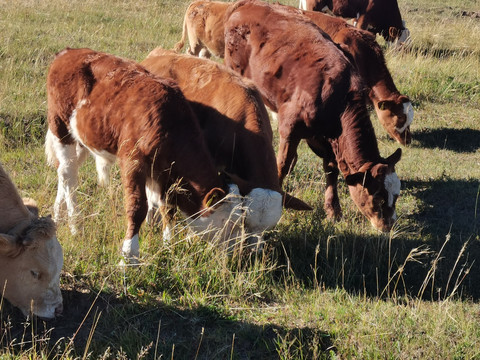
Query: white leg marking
point(392, 185)
point(103, 165)
point(302, 5)
point(131, 247)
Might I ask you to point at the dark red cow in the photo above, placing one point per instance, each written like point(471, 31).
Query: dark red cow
point(394, 110)
point(379, 16)
point(319, 97)
point(118, 110)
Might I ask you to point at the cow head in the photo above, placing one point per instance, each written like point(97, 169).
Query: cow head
point(31, 259)
point(375, 191)
point(222, 213)
point(396, 117)
point(398, 36)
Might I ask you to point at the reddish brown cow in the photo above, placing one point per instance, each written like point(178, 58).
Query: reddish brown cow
point(319, 97)
point(236, 127)
point(393, 109)
point(117, 109)
point(378, 16)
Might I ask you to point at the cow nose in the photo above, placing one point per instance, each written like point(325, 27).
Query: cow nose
point(59, 309)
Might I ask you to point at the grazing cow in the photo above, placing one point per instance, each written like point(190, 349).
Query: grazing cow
point(203, 22)
point(31, 257)
point(117, 109)
point(319, 97)
point(378, 16)
point(236, 128)
point(394, 110)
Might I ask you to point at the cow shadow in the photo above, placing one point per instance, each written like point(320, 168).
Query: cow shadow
point(103, 325)
point(458, 140)
point(440, 237)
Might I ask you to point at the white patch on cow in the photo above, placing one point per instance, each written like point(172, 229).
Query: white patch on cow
point(408, 111)
point(302, 5)
point(51, 300)
point(226, 216)
point(392, 185)
point(103, 165)
point(263, 209)
point(67, 172)
point(131, 247)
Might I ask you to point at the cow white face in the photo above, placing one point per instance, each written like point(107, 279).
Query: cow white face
point(224, 220)
point(263, 208)
point(30, 265)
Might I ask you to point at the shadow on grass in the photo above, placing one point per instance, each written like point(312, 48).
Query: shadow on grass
point(415, 261)
point(458, 140)
point(122, 328)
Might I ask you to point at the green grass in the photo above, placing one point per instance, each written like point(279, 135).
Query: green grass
point(320, 289)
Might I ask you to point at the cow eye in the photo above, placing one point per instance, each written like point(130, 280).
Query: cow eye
point(35, 274)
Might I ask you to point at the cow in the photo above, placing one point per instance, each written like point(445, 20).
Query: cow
point(31, 257)
point(203, 22)
point(377, 16)
point(319, 97)
point(393, 109)
point(118, 110)
point(236, 128)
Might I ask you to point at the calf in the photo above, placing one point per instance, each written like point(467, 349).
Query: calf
point(30, 255)
point(378, 16)
point(237, 130)
point(319, 97)
point(117, 109)
point(393, 109)
point(203, 22)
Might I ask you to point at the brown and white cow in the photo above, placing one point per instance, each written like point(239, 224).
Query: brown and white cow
point(319, 97)
point(31, 257)
point(378, 16)
point(236, 128)
point(394, 110)
point(203, 22)
point(118, 110)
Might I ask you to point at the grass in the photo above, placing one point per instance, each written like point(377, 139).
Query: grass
point(320, 289)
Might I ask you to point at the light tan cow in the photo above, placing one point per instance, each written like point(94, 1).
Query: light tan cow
point(30, 255)
point(203, 22)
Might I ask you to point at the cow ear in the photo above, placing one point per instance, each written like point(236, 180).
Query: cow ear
point(31, 205)
point(291, 202)
point(8, 243)
point(379, 170)
point(385, 104)
point(393, 32)
point(213, 197)
point(395, 157)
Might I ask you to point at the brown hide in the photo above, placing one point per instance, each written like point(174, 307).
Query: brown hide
point(122, 110)
point(203, 22)
point(380, 16)
point(370, 62)
point(318, 95)
point(232, 116)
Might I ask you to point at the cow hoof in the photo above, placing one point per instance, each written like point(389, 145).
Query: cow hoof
point(333, 213)
point(129, 261)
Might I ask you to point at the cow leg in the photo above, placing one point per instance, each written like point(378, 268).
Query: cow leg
point(159, 209)
point(134, 182)
point(288, 141)
point(67, 173)
point(332, 202)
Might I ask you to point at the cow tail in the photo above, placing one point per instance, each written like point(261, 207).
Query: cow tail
point(179, 45)
point(49, 150)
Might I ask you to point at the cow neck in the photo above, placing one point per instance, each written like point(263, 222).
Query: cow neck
point(12, 209)
point(356, 149)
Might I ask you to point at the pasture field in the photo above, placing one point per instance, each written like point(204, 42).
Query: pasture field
point(319, 289)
